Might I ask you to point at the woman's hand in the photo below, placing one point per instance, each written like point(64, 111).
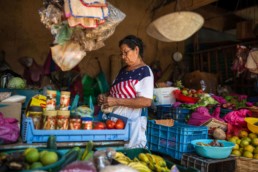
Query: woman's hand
point(109, 102)
point(101, 99)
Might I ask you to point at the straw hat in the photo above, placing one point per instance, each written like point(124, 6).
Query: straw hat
point(177, 26)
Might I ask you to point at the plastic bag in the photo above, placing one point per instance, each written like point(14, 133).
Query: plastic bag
point(68, 55)
point(9, 129)
point(64, 33)
point(199, 116)
point(50, 16)
point(236, 120)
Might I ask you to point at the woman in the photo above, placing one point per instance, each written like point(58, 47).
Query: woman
point(132, 90)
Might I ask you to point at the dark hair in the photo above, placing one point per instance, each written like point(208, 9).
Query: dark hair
point(132, 41)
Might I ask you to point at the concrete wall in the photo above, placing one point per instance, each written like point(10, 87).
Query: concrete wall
point(22, 34)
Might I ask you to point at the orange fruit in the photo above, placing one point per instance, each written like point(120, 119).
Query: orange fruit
point(249, 148)
point(244, 143)
point(236, 153)
point(256, 150)
point(247, 154)
point(252, 135)
point(255, 142)
point(255, 156)
point(236, 147)
point(243, 133)
point(247, 138)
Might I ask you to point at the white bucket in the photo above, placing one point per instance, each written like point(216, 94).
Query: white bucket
point(164, 96)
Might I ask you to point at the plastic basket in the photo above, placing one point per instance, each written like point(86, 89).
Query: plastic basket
point(176, 140)
point(213, 152)
point(176, 113)
point(52, 167)
point(31, 135)
point(208, 165)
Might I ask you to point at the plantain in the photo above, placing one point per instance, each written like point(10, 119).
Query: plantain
point(159, 160)
point(139, 167)
point(161, 169)
point(143, 157)
point(119, 154)
point(123, 161)
point(152, 162)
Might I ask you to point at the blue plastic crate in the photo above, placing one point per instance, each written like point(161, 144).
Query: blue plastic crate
point(174, 140)
point(164, 111)
point(176, 113)
point(31, 135)
point(180, 114)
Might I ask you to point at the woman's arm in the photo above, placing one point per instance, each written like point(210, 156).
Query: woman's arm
point(139, 102)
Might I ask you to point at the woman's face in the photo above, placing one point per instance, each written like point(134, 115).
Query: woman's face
point(129, 55)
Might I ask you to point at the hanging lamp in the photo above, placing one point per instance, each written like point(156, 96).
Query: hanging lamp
point(176, 26)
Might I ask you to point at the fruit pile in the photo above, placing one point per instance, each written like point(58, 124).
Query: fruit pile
point(31, 158)
point(192, 92)
point(144, 162)
point(246, 145)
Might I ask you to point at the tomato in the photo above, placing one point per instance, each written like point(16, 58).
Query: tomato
point(119, 124)
point(200, 91)
point(110, 124)
point(99, 125)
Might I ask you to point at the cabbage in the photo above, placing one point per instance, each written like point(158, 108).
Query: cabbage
point(16, 82)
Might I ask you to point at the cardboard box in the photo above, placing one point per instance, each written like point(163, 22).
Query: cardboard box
point(11, 110)
point(164, 96)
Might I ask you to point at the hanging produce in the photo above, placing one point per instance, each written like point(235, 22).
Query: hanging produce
point(78, 26)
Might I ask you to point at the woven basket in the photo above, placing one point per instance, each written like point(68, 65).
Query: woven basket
point(246, 165)
point(254, 111)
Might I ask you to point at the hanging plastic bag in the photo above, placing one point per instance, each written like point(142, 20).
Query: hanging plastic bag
point(68, 55)
point(9, 129)
point(64, 33)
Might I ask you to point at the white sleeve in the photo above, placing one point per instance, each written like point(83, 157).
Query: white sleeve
point(144, 88)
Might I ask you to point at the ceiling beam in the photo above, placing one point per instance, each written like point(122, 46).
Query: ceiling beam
point(218, 19)
point(186, 5)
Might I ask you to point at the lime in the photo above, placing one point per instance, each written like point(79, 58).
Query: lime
point(32, 156)
point(35, 165)
point(26, 151)
point(49, 158)
point(42, 153)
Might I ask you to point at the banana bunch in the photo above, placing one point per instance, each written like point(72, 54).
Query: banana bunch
point(154, 162)
point(145, 162)
point(122, 158)
point(139, 166)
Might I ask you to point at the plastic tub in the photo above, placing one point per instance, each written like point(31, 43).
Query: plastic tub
point(213, 152)
point(179, 96)
point(250, 124)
